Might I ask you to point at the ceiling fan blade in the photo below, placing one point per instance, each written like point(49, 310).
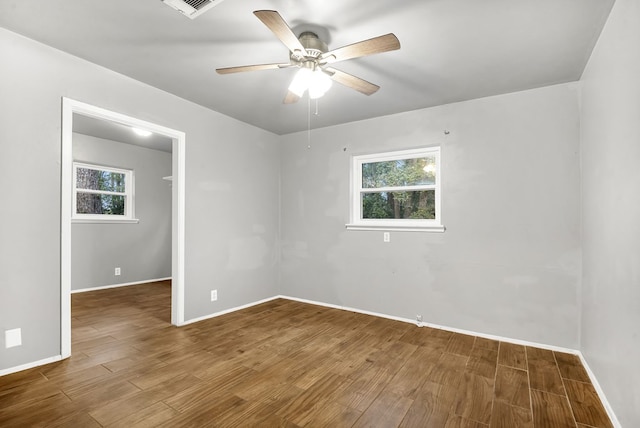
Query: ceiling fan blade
point(386, 43)
point(352, 81)
point(229, 70)
point(277, 24)
point(290, 98)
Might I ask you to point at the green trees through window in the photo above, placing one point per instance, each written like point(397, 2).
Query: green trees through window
point(401, 204)
point(102, 193)
point(100, 203)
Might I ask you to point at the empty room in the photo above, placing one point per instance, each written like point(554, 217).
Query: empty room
point(308, 214)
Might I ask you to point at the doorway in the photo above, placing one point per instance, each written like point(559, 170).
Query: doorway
point(71, 108)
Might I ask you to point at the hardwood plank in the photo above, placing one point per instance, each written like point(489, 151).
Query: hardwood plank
point(507, 416)
point(420, 415)
point(151, 416)
point(490, 344)
point(361, 393)
point(302, 409)
point(512, 355)
point(460, 344)
point(27, 394)
point(109, 413)
point(334, 415)
point(512, 387)
point(586, 404)
point(208, 392)
point(544, 374)
point(388, 410)
point(483, 362)
point(448, 370)
point(22, 378)
point(394, 357)
point(410, 378)
point(540, 355)
point(77, 419)
point(49, 409)
point(571, 367)
point(551, 410)
point(474, 398)
point(456, 421)
point(432, 406)
point(204, 413)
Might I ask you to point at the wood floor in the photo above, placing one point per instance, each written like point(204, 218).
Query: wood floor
point(288, 364)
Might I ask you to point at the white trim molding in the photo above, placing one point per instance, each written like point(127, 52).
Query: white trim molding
point(228, 311)
point(437, 326)
point(123, 284)
point(31, 365)
point(600, 391)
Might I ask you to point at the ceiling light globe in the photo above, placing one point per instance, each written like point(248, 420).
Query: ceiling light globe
point(319, 84)
point(300, 82)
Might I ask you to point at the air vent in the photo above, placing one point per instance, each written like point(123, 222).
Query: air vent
point(192, 8)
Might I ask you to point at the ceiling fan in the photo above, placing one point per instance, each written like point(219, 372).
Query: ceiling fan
point(312, 57)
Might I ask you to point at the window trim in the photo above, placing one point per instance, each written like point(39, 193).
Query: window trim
point(413, 225)
point(129, 196)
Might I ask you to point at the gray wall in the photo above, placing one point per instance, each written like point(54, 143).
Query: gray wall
point(231, 179)
point(142, 250)
point(509, 261)
point(610, 338)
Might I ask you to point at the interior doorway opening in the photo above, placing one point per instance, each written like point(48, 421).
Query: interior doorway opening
point(75, 110)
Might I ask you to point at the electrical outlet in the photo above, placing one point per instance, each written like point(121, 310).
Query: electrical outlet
point(419, 320)
point(12, 338)
point(214, 295)
point(117, 272)
point(386, 237)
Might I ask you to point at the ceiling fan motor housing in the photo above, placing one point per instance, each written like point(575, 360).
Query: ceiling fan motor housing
point(312, 44)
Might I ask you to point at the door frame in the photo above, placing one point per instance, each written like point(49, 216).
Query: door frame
point(69, 108)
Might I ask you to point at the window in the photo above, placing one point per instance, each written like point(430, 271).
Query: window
point(102, 194)
point(397, 190)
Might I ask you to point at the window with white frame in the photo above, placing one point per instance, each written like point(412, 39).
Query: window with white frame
point(397, 190)
point(102, 193)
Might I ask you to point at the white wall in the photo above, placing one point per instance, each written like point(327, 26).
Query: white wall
point(231, 177)
point(610, 338)
point(141, 250)
point(509, 261)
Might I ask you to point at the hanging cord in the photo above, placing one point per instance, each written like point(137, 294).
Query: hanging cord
point(308, 122)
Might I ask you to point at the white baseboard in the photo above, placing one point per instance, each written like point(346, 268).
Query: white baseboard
point(31, 365)
point(440, 327)
point(124, 284)
point(227, 311)
point(598, 388)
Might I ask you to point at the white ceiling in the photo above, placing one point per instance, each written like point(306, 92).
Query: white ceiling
point(452, 50)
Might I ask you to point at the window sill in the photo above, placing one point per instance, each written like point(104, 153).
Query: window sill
point(413, 228)
point(106, 220)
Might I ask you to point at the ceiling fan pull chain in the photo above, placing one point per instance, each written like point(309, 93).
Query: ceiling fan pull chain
point(308, 122)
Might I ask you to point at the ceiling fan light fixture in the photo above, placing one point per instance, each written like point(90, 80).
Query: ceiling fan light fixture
point(319, 84)
point(300, 81)
point(316, 81)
